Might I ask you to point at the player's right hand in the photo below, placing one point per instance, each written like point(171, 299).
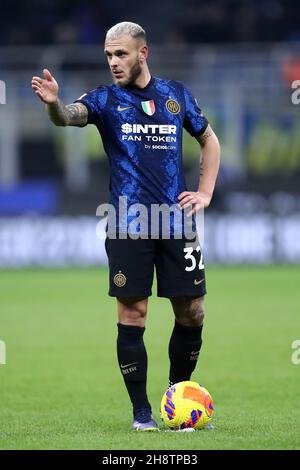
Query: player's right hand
point(46, 88)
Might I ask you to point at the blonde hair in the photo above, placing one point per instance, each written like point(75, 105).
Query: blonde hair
point(126, 28)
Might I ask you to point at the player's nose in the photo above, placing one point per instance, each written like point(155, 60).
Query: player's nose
point(114, 62)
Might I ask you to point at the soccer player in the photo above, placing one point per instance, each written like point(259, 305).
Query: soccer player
point(141, 119)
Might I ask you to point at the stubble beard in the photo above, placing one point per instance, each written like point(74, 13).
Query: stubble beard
point(134, 73)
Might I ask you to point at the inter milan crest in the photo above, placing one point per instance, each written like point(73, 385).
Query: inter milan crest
point(172, 106)
point(120, 279)
point(148, 107)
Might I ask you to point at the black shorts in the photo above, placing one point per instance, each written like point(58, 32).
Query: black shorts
point(178, 263)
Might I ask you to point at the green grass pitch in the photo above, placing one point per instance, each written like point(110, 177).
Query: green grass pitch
point(61, 387)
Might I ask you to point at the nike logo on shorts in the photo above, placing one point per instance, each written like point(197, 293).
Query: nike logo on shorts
point(196, 282)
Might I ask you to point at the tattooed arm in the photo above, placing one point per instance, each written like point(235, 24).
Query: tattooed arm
point(210, 161)
point(47, 90)
point(67, 115)
point(209, 167)
point(206, 135)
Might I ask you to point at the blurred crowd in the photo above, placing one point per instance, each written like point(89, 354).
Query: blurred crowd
point(43, 22)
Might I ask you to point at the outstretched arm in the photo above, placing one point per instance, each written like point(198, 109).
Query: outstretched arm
point(67, 115)
point(60, 114)
point(209, 167)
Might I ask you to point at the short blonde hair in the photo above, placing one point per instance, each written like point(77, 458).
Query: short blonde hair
point(126, 28)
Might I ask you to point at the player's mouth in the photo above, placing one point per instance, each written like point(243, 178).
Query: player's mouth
point(118, 74)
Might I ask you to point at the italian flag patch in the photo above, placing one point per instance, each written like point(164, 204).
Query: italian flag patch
point(148, 107)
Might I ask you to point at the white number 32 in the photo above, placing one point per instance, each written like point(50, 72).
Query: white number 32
point(189, 256)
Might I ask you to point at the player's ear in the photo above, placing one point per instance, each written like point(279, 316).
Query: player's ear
point(143, 54)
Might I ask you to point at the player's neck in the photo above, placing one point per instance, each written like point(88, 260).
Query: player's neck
point(143, 79)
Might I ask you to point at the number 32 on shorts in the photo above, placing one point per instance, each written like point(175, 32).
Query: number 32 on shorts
point(190, 257)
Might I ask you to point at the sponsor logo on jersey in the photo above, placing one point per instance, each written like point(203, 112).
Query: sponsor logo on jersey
point(151, 133)
point(172, 106)
point(148, 107)
point(148, 128)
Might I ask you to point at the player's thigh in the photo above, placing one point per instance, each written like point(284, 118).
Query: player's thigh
point(131, 267)
point(179, 268)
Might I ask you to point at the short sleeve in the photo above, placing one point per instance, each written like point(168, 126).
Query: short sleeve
point(95, 102)
point(195, 123)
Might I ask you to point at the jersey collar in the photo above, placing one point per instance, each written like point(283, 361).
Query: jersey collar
point(149, 84)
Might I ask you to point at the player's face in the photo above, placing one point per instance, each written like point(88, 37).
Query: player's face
point(125, 56)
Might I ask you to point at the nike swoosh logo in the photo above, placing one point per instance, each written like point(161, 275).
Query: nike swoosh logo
point(198, 282)
point(195, 352)
point(127, 365)
point(120, 108)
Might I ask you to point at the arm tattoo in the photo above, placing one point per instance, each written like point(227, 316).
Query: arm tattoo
point(206, 134)
point(201, 169)
point(71, 115)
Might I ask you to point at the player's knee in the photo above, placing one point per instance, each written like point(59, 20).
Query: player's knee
point(188, 312)
point(133, 313)
point(134, 316)
point(195, 316)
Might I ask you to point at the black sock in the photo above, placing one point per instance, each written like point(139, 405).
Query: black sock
point(132, 357)
point(184, 348)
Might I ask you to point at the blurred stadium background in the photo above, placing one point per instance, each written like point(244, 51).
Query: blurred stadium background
point(239, 58)
point(60, 387)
